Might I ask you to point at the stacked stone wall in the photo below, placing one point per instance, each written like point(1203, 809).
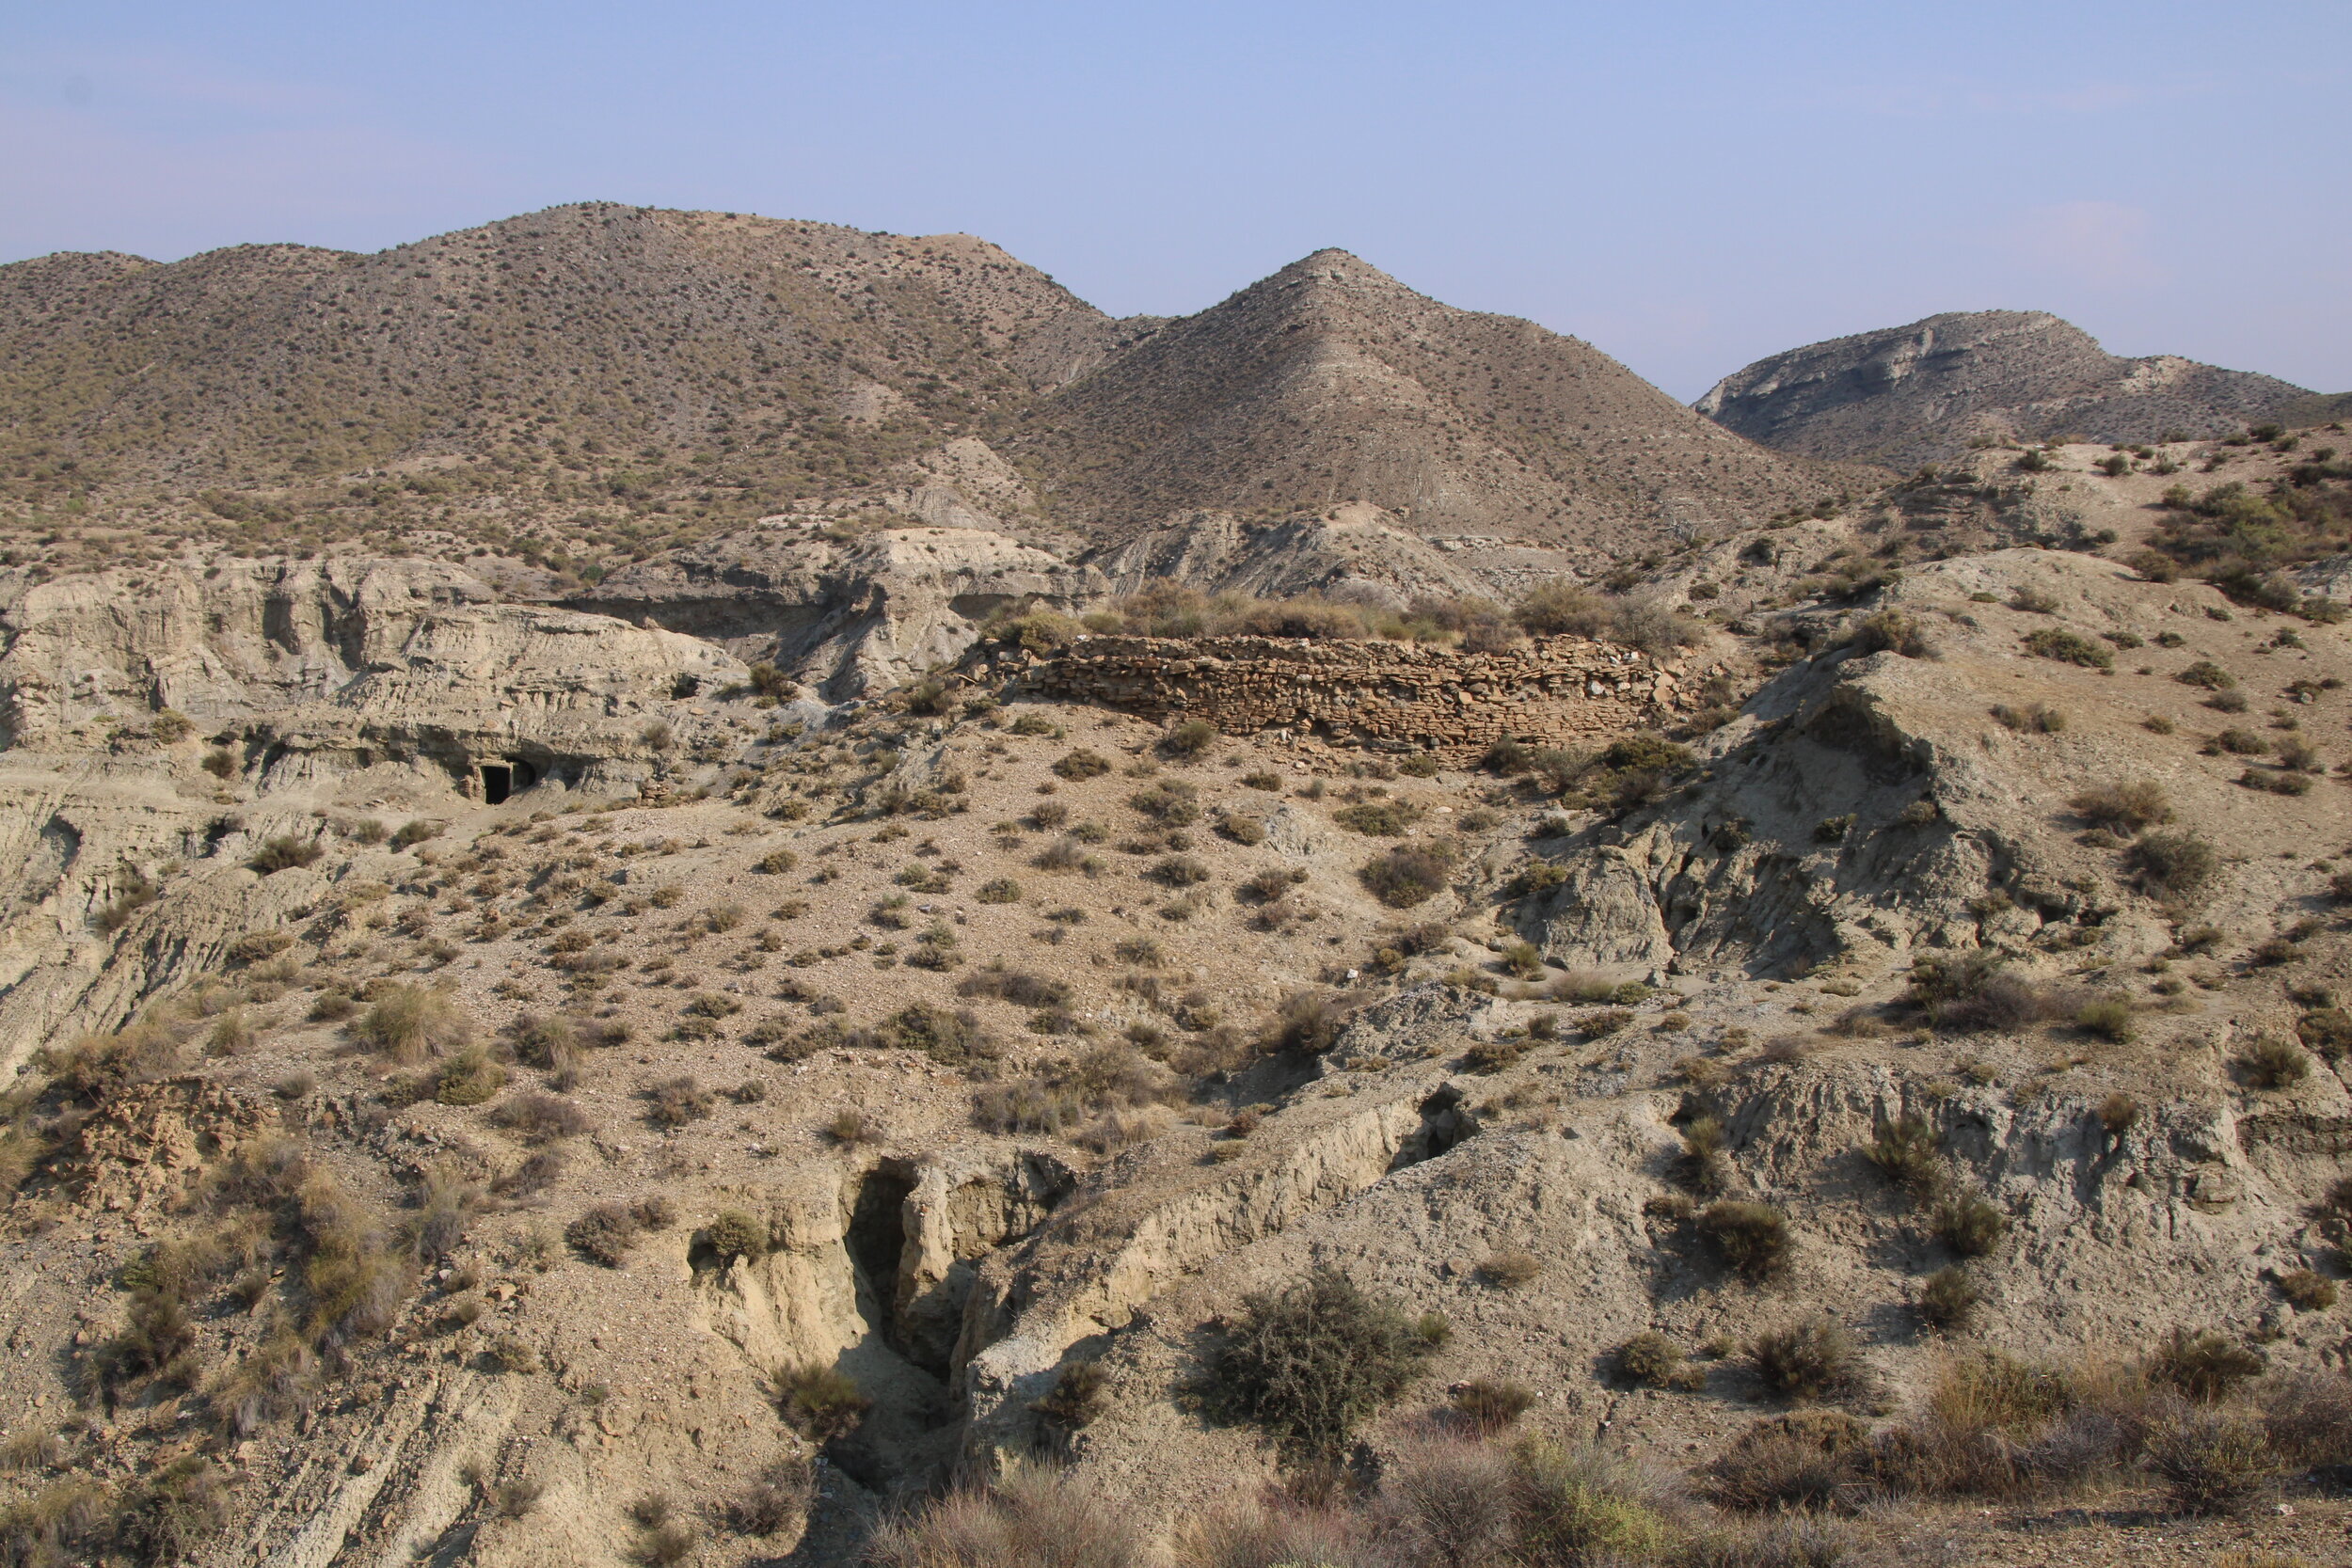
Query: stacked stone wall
point(1393, 696)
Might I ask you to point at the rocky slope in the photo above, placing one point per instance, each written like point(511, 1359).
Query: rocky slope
point(1908, 395)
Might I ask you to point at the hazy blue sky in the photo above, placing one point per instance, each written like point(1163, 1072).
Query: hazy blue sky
point(1689, 185)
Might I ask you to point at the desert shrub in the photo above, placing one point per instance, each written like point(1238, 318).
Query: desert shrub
point(1378, 818)
point(776, 1498)
point(1032, 1518)
point(732, 1234)
point(2207, 675)
point(1081, 764)
point(1652, 1359)
point(470, 1077)
point(2210, 1461)
point(2204, 1364)
point(776, 862)
point(408, 1023)
point(1751, 1238)
point(1179, 871)
point(1488, 1404)
point(1312, 1361)
point(1407, 875)
point(2241, 743)
point(1016, 986)
point(1240, 829)
point(2107, 1017)
point(1811, 1359)
point(2033, 719)
point(2306, 1417)
point(673, 1103)
point(284, 853)
point(2178, 863)
point(2326, 1031)
point(1805, 1460)
point(1188, 739)
point(1949, 1299)
point(998, 890)
point(953, 1038)
point(1975, 990)
point(1510, 1270)
point(603, 1234)
point(2126, 807)
point(1306, 1023)
point(2068, 647)
point(1969, 1223)
point(821, 1402)
point(2308, 1291)
point(1076, 1396)
point(1170, 803)
point(1891, 631)
point(1904, 1151)
point(2274, 1062)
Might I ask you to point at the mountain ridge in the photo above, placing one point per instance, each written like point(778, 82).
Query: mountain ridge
point(1916, 393)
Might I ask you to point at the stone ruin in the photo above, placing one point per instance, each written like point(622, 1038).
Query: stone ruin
point(1389, 696)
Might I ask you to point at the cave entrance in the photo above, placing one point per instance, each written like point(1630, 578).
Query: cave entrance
point(503, 778)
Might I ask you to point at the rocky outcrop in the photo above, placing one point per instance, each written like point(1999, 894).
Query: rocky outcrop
point(1914, 395)
point(849, 611)
point(1384, 695)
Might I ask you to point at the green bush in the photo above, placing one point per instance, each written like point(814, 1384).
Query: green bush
point(1751, 1238)
point(1904, 1151)
point(2206, 676)
point(2125, 808)
point(1188, 739)
point(2202, 1364)
point(822, 1402)
point(1969, 1223)
point(1082, 765)
point(284, 853)
point(2175, 862)
point(2273, 1063)
point(1378, 818)
point(2068, 647)
point(1409, 874)
point(732, 1234)
point(408, 1022)
point(1313, 1361)
point(2211, 1462)
point(1949, 1299)
point(1812, 1359)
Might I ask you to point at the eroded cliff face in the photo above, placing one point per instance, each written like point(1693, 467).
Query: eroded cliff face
point(849, 616)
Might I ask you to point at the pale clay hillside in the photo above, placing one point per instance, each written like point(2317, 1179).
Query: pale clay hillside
point(680, 889)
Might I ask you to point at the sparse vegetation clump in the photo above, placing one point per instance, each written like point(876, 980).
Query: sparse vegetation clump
point(2174, 863)
point(1409, 874)
point(1814, 1358)
point(2125, 807)
point(1310, 1363)
point(1753, 1239)
point(410, 1023)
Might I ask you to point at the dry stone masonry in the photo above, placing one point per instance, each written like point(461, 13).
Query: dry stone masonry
point(1384, 694)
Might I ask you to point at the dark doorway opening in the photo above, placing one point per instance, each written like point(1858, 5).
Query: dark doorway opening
point(498, 783)
point(877, 1240)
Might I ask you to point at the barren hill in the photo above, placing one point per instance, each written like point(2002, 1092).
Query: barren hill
point(1913, 394)
point(1331, 382)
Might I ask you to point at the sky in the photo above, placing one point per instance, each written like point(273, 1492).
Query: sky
point(1687, 184)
